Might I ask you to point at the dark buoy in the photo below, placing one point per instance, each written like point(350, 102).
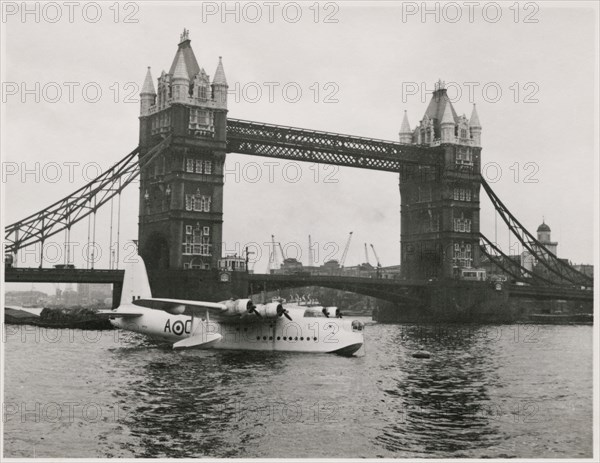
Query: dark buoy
point(421, 355)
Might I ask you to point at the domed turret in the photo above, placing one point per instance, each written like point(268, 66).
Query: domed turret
point(543, 233)
point(543, 228)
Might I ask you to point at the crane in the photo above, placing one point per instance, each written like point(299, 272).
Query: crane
point(310, 254)
point(375, 254)
point(345, 253)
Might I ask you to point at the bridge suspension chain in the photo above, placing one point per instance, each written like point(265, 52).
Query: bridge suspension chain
point(499, 258)
point(80, 204)
point(543, 255)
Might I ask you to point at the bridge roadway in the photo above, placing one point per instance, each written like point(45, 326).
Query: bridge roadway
point(386, 289)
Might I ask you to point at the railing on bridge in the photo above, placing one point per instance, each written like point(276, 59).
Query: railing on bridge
point(63, 275)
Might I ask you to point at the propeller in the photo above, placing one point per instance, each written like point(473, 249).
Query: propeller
point(251, 308)
point(281, 311)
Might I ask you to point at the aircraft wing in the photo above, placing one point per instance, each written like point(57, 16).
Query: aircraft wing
point(22, 312)
point(233, 311)
point(195, 307)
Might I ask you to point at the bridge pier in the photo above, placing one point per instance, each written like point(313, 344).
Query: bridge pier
point(117, 289)
point(452, 302)
point(199, 285)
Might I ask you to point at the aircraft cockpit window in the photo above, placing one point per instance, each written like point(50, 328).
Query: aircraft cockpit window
point(313, 313)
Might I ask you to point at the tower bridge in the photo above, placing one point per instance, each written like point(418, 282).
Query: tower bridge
point(185, 135)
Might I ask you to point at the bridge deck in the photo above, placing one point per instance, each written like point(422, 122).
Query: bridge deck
point(376, 287)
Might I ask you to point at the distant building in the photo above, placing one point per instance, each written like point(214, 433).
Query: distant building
point(289, 266)
point(390, 273)
point(31, 298)
point(543, 236)
point(508, 265)
point(332, 267)
point(91, 293)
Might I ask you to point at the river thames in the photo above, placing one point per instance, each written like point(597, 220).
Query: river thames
point(485, 392)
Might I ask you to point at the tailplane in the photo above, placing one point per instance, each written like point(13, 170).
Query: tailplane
point(135, 281)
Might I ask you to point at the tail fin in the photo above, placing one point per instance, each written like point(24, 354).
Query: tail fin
point(135, 281)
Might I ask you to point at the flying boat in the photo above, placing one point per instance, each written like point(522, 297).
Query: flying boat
point(233, 324)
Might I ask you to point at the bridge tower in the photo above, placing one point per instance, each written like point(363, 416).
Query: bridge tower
point(440, 210)
point(181, 190)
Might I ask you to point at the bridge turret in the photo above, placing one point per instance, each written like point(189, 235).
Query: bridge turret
point(447, 126)
point(440, 211)
point(148, 94)
point(475, 127)
point(181, 80)
point(181, 190)
point(219, 86)
point(406, 135)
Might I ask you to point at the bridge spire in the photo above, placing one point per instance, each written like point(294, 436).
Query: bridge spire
point(185, 48)
point(148, 94)
point(219, 78)
point(405, 132)
point(148, 87)
point(181, 80)
point(475, 126)
point(447, 117)
point(180, 68)
point(447, 125)
point(219, 85)
point(474, 121)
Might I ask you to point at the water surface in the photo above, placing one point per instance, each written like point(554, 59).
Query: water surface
point(486, 391)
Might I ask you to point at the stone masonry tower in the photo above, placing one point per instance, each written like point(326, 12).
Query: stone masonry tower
point(440, 211)
point(181, 190)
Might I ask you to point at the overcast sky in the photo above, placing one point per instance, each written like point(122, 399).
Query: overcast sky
point(539, 139)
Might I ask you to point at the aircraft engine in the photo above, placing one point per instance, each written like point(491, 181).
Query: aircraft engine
point(282, 312)
point(240, 307)
point(176, 310)
point(269, 310)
